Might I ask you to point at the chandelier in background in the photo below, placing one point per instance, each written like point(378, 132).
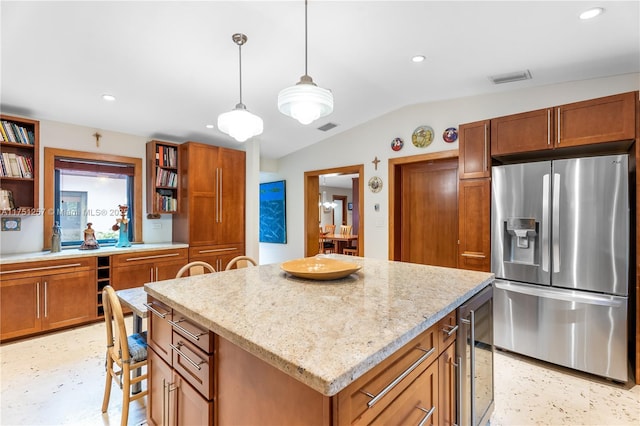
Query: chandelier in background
point(239, 123)
point(306, 102)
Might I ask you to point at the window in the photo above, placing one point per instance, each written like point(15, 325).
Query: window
point(90, 192)
point(84, 187)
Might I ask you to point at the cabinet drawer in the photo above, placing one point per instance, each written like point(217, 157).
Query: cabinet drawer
point(195, 334)
point(151, 256)
point(447, 330)
point(48, 267)
point(364, 399)
point(193, 365)
point(159, 332)
point(417, 404)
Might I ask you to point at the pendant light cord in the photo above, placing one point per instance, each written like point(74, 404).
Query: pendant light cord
point(305, 38)
point(240, 66)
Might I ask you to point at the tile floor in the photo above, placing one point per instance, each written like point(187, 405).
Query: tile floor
point(58, 379)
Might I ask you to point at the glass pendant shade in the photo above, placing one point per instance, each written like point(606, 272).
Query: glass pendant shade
point(240, 124)
point(305, 101)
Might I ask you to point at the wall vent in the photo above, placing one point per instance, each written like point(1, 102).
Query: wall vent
point(327, 127)
point(510, 77)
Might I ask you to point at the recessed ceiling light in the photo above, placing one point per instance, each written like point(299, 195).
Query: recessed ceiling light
point(591, 13)
point(209, 126)
point(108, 97)
point(418, 58)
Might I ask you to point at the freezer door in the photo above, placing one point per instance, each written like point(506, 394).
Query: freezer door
point(590, 230)
point(520, 222)
point(579, 330)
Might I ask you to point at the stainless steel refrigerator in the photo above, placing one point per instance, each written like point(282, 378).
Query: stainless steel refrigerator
point(560, 253)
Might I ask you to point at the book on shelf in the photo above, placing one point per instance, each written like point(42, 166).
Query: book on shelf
point(166, 178)
point(165, 201)
point(12, 132)
point(166, 156)
point(15, 165)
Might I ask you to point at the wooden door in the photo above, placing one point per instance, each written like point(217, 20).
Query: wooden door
point(191, 407)
point(20, 307)
point(474, 226)
point(69, 299)
point(474, 160)
point(525, 132)
point(447, 386)
point(231, 196)
point(607, 119)
point(160, 377)
point(429, 213)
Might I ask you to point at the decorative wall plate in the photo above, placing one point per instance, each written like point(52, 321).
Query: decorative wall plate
point(422, 136)
point(375, 184)
point(397, 144)
point(450, 134)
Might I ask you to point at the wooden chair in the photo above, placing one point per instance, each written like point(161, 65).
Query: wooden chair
point(345, 229)
point(329, 246)
point(124, 354)
point(195, 268)
point(240, 262)
point(350, 251)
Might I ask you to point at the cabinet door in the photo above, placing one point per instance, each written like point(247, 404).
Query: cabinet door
point(216, 256)
point(168, 270)
point(526, 132)
point(607, 119)
point(69, 299)
point(231, 196)
point(135, 275)
point(447, 386)
point(192, 408)
point(160, 381)
point(418, 404)
point(20, 307)
point(474, 159)
point(474, 214)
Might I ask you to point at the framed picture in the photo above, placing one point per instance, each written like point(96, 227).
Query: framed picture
point(11, 223)
point(349, 206)
point(273, 223)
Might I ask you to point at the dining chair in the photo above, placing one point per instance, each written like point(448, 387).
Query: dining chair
point(196, 267)
point(345, 229)
point(329, 246)
point(240, 262)
point(125, 354)
point(350, 251)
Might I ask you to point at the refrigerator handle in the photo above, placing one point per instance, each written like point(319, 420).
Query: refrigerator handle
point(545, 222)
point(555, 220)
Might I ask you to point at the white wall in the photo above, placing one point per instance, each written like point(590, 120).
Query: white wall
point(374, 139)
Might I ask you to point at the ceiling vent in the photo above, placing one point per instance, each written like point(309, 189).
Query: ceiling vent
point(511, 77)
point(327, 127)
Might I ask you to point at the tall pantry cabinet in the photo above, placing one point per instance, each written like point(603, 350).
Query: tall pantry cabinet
point(212, 192)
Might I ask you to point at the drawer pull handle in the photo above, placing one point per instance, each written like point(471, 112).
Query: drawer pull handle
point(42, 268)
point(185, 331)
point(383, 392)
point(427, 416)
point(477, 256)
point(449, 329)
point(157, 256)
point(217, 250)
point(154, 311)
point(177, 349)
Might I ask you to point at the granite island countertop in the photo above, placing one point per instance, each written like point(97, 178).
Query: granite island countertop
point(325, 334)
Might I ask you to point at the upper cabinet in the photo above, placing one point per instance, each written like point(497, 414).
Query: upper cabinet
point(19, 143)
point(474, 157)
point(212, 195)
point(162, 178)
point(600, 120)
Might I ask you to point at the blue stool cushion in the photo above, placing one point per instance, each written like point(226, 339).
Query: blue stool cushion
point(138, 346)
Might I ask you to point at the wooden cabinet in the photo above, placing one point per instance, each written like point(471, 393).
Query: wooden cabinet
point(212, 196)
point(447, 387)
point(601, 120)
point(474, 214)
point(216, 256)
point(43, 296)
point(473, 147)
point(19, 146)
point(135, 269)
point(162, 178)
point(181, 363)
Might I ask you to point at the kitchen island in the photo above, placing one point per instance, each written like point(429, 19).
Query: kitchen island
point(279, 345)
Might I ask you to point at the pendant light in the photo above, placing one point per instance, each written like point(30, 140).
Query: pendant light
point(239, 123)
point(306, 102)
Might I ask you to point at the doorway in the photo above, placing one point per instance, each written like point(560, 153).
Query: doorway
point(424, 209)
point(313, 210)
point(340, 210)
